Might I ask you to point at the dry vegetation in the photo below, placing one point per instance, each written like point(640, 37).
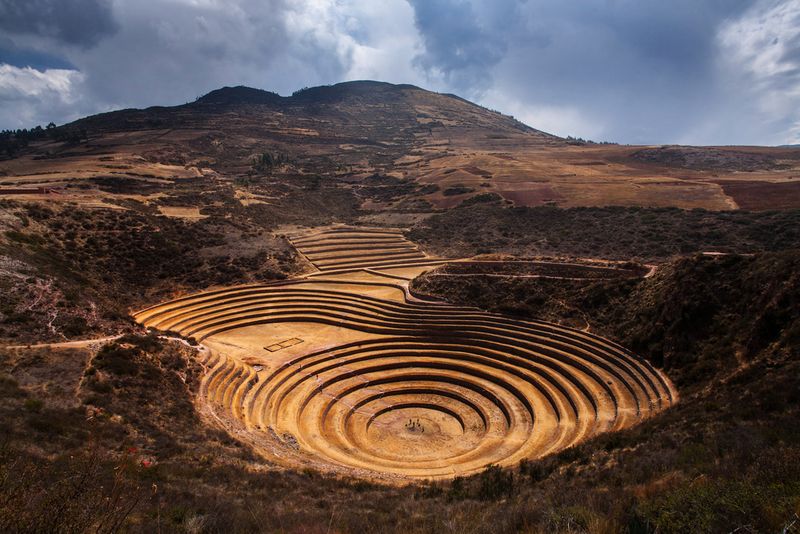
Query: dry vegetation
point(71, 272)
point(697, 317)
point(645, 234)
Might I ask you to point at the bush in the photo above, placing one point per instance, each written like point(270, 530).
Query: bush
point(457, 190)
point(75, 326)
point(495, 483)
point(33, 405)
point(117, 360)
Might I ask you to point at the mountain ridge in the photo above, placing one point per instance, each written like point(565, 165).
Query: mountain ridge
point(355, 92)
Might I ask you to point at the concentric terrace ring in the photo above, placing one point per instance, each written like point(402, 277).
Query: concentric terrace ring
point(403, 387)
point(431, 391)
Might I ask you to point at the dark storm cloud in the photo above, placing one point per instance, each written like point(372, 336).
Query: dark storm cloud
point(456, 43)
point(24, 57)
point(463, 34)
point(642, 61)
point(76, 22)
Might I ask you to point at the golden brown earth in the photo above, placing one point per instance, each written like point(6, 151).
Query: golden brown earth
point(345, 370)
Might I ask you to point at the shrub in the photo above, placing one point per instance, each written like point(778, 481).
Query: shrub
point(457, 190)
point(117, 360)
point(495, 483)
point(33, 405)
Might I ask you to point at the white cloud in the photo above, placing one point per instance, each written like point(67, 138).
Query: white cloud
point(761, 56)
point(760, 41)
point(560, 120)
point(23, 82)
point(30, 97)
point(385, 41)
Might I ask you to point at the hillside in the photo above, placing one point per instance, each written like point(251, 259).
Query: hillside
point(398, 150)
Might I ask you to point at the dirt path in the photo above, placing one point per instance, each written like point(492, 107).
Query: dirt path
point(545, 276)
point(65, 344)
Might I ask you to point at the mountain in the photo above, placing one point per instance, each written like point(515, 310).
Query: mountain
point(366, 126)
point(438, 150)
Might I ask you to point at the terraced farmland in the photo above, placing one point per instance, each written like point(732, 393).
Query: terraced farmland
point(346, 248)
point(346, 371)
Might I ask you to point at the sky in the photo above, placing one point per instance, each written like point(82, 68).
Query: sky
point(703, 72)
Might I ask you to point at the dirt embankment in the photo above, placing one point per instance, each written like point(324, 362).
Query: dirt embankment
point(713, 158)
point(544, 268)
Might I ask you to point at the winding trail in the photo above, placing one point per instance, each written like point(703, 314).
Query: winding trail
point(78, 343)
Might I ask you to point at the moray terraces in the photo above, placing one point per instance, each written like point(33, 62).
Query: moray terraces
point(344, 370)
